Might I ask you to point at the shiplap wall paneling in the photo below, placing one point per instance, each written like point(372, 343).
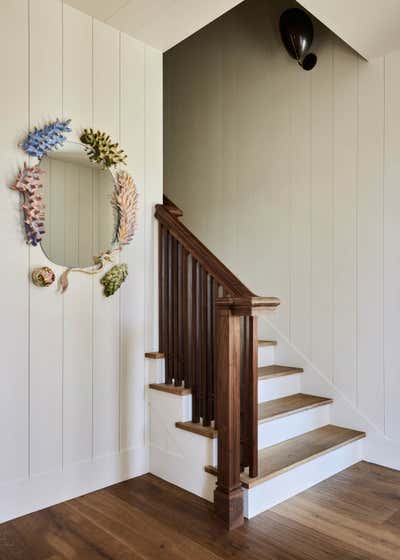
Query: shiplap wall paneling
point(229, 144)
point(300, 209)
point(391, 247)
point(46, 306)
point(154, 186)
point(345, 142)
point(370, 381)
point(106, 106)
point(132, 434)
point(14, 282)
point(78, 300)
point(322, 210)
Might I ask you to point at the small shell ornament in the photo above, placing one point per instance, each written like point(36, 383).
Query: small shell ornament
point(43, 277)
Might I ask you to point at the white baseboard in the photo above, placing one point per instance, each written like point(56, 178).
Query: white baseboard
point(38, 492)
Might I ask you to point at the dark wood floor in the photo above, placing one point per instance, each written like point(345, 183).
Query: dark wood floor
point(354, 515)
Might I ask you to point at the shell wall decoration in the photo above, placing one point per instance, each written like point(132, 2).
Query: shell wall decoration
point(43, 277)
point(100, 150)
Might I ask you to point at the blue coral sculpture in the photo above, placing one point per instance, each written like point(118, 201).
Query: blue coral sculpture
point(41, 141)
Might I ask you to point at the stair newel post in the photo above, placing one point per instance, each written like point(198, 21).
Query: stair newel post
point(228, 495)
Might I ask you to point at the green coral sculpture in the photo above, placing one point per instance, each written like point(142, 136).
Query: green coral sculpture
point(114, 278)
point(100, 148)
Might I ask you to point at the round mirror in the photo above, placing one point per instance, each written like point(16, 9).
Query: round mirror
point(79, 218)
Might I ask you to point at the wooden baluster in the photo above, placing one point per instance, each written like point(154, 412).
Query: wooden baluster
point(195, 343)
point(179, 317)
point(228, 496)
point(210, 347)
point(253, 395)
point(168, 306)
point(245, 392)
point(174, 312)
point(186, 327)
point(203, 346)
point(161, 289)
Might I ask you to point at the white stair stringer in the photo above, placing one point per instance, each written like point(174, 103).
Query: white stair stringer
point(179, 456)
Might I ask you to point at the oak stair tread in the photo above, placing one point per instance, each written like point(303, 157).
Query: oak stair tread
point(206, 431)
point(169, 388)
point(285, 406)
point(269, 372)
point(280, 458)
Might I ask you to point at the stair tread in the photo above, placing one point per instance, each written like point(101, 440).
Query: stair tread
point(267, 343)
point(269, 372)
point(174, 390)
point(277, 408)
point(280, 458)
point(207, 431)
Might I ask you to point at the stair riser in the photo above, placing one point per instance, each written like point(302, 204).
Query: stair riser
point(278, 387)
point(266, 356)
point(282, 429)
point(278, 489)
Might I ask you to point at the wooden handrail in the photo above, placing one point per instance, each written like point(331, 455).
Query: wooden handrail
point(208, 334)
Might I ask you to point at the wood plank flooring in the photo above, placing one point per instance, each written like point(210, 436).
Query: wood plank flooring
point(354, 515)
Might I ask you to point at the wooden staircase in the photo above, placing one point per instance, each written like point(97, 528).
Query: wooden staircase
point(266, 428)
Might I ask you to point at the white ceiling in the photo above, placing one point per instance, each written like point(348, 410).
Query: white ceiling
point(370, 27)
point(159, 23)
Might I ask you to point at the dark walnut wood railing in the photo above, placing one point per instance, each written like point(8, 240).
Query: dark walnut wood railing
point(208, 334)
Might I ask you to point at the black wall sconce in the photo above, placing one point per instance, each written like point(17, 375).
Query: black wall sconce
point(297, 33)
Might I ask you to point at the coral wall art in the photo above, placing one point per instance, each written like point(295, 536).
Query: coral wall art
point(106, 154)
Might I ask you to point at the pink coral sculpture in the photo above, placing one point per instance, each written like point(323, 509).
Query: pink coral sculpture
point(29, 183)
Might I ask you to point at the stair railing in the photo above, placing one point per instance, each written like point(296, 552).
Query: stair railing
point(208, 335)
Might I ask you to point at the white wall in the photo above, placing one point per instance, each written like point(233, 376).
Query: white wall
point(72, 399)
point(292, 178)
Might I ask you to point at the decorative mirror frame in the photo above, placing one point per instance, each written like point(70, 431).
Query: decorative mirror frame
point(102, 151)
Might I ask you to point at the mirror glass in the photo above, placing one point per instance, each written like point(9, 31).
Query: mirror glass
point(77, 195)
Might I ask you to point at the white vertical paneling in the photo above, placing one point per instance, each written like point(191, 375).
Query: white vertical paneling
point(132, 433)
point(300, 209)
point(14, 300)
point(322, 211)
point(344, 208)
point(392, 246)
point(154, 186)
point(60, 402)
point(46, 306)
point(106, 85)
point(152, 196)
point(78, 304)
point(369, 235)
